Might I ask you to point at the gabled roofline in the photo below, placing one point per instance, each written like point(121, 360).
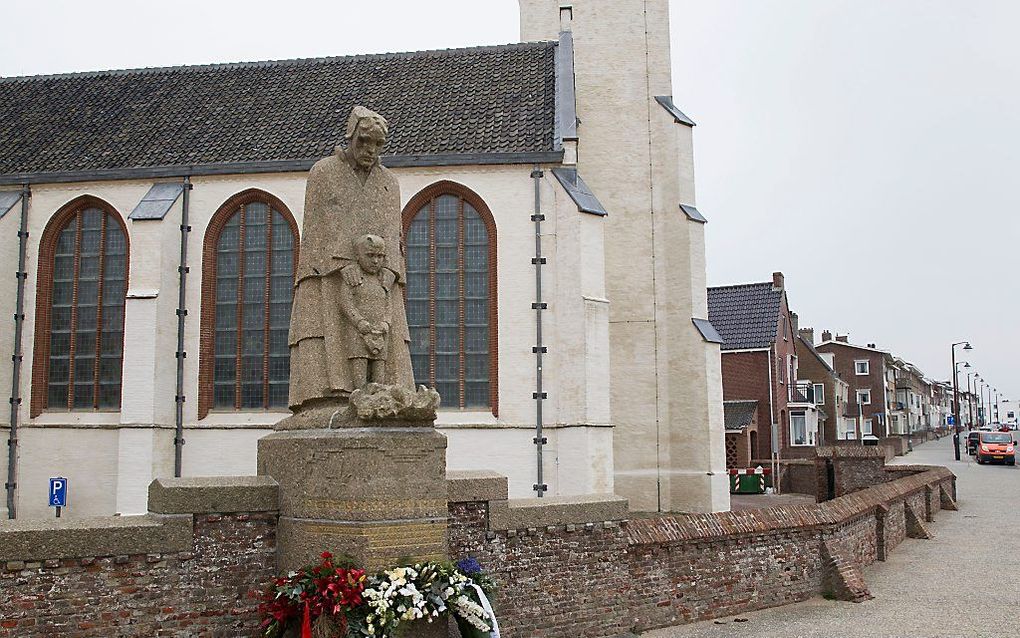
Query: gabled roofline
point(853, 345)
point(811, 348)
point(274, 166)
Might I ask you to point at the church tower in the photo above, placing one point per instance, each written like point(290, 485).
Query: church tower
point(634, 149)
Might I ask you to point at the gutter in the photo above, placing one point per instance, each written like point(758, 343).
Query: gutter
point(182, 313)
point(19, 325)
point(273, 166)
point(539, 307)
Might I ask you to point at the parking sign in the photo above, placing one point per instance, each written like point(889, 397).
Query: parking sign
point(58, 492)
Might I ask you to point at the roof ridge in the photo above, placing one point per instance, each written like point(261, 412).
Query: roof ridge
point(485, 48)
point(747, 285)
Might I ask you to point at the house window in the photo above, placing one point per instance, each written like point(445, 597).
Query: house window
point(862, 367)
point(819, 393)
point(799, 434)
point(79, 343)
point(865, 426)
point(864, 397)
point(451, 295)
point(248, 265)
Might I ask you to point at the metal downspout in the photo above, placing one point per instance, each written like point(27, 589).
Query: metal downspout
point(182, 313)
point(539, 349)
point(19, 324)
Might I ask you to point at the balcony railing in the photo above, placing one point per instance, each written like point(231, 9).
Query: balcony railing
point(802, 393)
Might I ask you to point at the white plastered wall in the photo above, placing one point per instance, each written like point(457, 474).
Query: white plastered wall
point(666, 393)
point(112, 456)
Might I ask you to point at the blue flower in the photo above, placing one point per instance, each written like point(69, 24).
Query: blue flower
point(469, 566)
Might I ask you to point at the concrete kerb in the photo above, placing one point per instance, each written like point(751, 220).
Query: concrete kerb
point(208, 495)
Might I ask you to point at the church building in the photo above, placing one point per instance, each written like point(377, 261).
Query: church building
point(556, 294)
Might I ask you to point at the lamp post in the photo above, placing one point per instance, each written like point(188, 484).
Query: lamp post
point(956, 373)
point(980, 391)
point(970, 404)
point(956, 397)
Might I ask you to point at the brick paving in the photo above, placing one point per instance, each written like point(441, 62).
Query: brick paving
point(962, 583)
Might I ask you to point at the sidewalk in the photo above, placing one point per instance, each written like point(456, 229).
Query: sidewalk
point(963, 583)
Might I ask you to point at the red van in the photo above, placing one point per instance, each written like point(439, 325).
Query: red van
point(996, 447)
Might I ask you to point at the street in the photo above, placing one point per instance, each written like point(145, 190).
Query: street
point(961, 583)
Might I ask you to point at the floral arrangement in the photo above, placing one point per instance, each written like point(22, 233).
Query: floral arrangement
point(312, 592)
point(343, 602)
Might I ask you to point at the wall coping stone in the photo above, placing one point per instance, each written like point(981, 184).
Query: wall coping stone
point(476, 485)
point(213, 494)
point(42, 539)
point(693, 527)
point(523, 513)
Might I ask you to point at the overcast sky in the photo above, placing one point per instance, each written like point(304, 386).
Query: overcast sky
point(866, 148)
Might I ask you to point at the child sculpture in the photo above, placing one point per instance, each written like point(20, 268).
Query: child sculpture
point(366, 304)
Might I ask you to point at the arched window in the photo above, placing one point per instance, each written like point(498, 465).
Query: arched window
point(451, 294)
point(79, 339)
point(248, 267)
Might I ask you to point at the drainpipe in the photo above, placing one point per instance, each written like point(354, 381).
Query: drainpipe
point(538, 306)
point(19, 324)
point(182, 313)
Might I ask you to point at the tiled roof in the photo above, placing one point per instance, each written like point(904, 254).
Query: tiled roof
point(745, 315)
point(737, 415)
point(499, 99)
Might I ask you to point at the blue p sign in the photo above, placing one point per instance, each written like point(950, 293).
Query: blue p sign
point(58, 492)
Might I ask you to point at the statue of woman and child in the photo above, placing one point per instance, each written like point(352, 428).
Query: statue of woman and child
point(349, 340)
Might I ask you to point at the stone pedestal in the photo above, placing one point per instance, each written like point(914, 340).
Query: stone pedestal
point(376, 494)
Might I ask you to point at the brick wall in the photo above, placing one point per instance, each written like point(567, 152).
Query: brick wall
point(201, 592)
point(746, 377)
point(605, 578)
point(564, 568)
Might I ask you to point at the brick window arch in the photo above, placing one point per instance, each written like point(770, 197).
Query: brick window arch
point(451, 294)
point(249, 260)
point(79, 325)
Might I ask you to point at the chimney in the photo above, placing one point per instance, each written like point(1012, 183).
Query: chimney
point(777, 280)
point(795, 320)
point(843, 338)
point(871, 345)
point(826, 335)
point(808, 334)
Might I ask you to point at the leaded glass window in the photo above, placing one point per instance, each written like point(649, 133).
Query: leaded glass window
point(450, 289)
point(254, 286)
point(86, 312)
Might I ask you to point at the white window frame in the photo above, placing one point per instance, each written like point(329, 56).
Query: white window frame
point(819, 393)
point(807, 437)
point(866, 426)
point(857, 367)
point(861, 393)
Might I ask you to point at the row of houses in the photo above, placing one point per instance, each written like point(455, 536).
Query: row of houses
point(788, 390)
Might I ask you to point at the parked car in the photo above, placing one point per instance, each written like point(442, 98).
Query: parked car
point(972, 442)
point(996, 447)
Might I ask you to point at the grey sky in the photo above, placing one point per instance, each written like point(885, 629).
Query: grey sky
point(854, 145)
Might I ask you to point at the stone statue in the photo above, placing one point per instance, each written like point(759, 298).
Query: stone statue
point(350, 197)
point(366, 289)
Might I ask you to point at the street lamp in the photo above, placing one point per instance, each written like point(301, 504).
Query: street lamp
point(970, 403)
point(979, 386)
point(956, 397)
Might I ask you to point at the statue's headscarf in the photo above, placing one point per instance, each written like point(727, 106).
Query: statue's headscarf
point(368, 117)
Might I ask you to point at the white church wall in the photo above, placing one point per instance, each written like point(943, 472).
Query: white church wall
point(115, 454)
point(639, 162)
point(9, 226)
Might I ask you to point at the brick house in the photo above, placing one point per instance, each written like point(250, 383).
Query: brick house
point(829, 390)
point(871, 376)
point(759, 363)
